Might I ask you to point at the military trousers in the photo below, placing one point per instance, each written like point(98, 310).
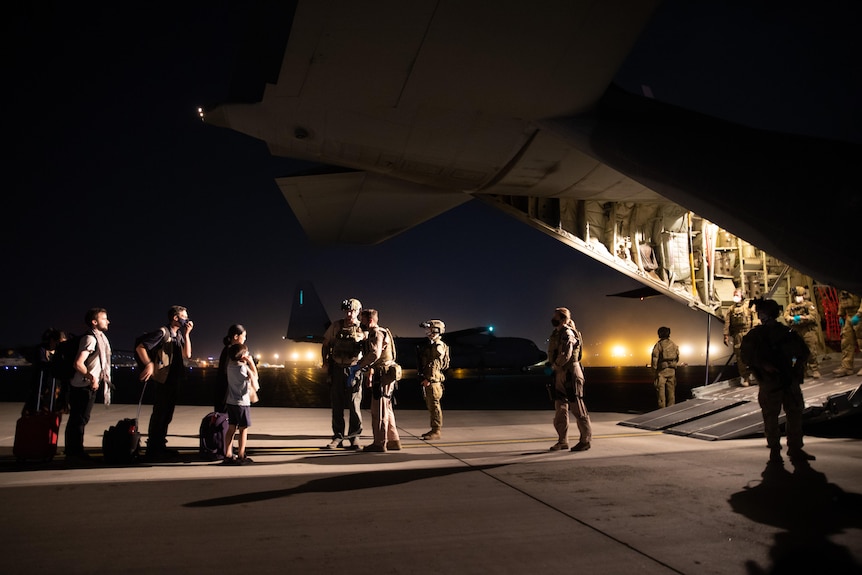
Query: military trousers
point(341, 398)
point(433, 395)
point(851, 336)
point(772, 397)
point(665, 386)
point(383, 425)
point(577, 408)
point(741, 366)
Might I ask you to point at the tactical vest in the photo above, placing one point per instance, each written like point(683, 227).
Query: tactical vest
point(554, 346)
point(387, 357)
point(803, 308)
point(848, 304)
point(433, 360)
point(740, 317)
point(347, 345)
point(668, 354)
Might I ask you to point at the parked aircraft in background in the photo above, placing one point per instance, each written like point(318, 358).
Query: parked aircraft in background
point(476, 348)
point(412, 108)
point(473, 348)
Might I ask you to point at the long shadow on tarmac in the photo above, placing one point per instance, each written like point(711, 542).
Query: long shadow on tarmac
point(809, 509)
point(350, 482)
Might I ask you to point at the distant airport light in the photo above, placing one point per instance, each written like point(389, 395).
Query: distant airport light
point(685, 350)
point(201, 113)
point(618, 351)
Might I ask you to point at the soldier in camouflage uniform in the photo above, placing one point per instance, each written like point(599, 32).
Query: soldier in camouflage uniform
point(738, 321)
point(342, 348)
point(850, 319)
point(433, 361)
point(777, 356)
point(665, 358)
point(564, 357)
point(802, 317)
point(378, 358)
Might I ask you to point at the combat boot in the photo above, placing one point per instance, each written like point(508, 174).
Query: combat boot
point(431, 435)
point(843, 371)
point(559, 446)
point(394, 445)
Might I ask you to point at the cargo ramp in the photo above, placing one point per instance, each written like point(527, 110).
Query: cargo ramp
point(724, 410)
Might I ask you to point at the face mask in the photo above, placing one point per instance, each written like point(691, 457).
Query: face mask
point(555, 322)
point(736, 299)
point(799, 299)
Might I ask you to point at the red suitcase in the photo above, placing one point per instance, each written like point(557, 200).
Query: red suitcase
point(36, 434)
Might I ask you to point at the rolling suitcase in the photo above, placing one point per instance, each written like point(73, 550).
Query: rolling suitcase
point(212, 435)
point(121, 443)
point(36, 434)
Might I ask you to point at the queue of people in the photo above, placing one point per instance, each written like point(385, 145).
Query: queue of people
point(360, 357)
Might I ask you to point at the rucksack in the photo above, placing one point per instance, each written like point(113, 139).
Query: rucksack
point(63, 363)
point(160, 355)
point(213, 429)
point(670, 360)
point(788, 352)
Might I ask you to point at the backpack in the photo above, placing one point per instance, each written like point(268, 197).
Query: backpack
point(788, 352)
point(63, 363)
point(160, 355)
point(213, 429)
point(672, 357)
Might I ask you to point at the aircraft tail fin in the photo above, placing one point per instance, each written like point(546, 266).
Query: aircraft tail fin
point(308, 317)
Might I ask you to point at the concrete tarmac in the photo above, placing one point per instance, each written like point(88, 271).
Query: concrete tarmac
point(489, 497)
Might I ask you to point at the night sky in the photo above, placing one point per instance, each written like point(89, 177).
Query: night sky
point(120, 197)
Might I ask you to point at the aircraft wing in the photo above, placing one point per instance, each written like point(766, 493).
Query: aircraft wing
point(424, 104)
point(427, 102)
point(337, 208)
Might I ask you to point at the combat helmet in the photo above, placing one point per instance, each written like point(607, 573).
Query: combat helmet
point(436, 326)
point(351, 304)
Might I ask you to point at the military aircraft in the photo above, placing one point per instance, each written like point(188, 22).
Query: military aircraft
point(476, 348)
point(473, 348)
point(408, 109)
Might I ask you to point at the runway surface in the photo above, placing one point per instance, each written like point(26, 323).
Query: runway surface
point(487, 498)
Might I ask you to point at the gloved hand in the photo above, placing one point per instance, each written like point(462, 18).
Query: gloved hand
point(797, 318)
point(854, 320)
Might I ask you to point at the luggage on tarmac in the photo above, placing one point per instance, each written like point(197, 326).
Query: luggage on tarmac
point(36, 434)
point(121, 443)
point(212, 435)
